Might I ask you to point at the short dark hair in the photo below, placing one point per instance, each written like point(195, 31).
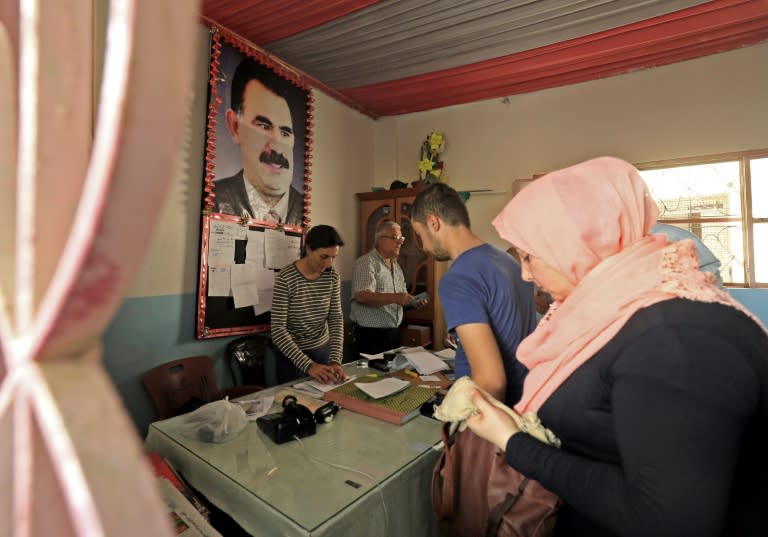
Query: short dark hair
point(249, 69)
point(442, 201)
point(322, 236)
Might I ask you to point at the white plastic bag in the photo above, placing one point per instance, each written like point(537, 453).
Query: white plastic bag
point(218, 421)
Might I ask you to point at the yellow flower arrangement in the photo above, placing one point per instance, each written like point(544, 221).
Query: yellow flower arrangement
point(430, 165)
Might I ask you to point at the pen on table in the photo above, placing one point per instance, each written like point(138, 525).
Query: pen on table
point(411, 373)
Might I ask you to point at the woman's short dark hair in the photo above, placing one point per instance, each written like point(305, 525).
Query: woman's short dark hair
point(322, 236)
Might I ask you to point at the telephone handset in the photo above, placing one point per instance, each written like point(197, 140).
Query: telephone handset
point(295, 421)
point(293, 409)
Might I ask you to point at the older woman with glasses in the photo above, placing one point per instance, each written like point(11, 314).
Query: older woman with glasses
point(654, 379)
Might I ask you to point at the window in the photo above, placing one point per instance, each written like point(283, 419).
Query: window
point(723, 199)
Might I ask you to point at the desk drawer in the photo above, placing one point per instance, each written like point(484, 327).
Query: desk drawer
point(415, 335)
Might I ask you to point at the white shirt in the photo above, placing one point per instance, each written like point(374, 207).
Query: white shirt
point(261, 211)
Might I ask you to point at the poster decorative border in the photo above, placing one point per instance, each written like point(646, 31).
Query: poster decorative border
point(215, 317)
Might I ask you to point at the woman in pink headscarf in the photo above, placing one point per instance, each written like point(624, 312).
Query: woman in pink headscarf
point(654, 379)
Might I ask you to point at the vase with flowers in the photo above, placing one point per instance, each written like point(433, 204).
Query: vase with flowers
point(430, 165)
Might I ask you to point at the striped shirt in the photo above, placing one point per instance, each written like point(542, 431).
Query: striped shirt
point(306, 315)
point(371, 273)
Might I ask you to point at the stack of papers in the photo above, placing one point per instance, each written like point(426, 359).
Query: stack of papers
point(423, 361)
point(383, 388)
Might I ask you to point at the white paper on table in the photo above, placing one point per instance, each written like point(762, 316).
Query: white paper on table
point(317, 386)
point(423, 361)
point(244, 287)
point(219, 283)
point(383, 388)
point(254, 248)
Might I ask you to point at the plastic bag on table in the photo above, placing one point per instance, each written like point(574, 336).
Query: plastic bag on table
point(218, 421)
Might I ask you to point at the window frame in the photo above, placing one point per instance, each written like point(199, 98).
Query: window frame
point(747, 219)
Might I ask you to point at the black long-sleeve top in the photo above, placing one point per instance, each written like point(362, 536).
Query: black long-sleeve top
point(664, 430)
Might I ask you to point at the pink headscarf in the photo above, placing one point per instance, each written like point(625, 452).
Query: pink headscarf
point(590, 222)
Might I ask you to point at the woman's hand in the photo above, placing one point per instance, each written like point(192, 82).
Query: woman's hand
point(327, 374)
point(491, 423)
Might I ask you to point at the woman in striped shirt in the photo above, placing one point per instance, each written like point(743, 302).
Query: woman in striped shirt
point(307, 320)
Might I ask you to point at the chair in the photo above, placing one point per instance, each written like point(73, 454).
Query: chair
point(251, 360)
point(184, 384)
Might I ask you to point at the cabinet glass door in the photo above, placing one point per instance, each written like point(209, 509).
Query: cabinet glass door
point(371, 214)
point(413, 260)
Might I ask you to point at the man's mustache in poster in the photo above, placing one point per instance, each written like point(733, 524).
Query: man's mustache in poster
point(274, 158)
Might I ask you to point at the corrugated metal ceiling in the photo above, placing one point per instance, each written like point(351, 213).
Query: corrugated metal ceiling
point(398, 56)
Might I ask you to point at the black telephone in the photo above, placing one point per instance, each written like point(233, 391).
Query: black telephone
point(295, 421)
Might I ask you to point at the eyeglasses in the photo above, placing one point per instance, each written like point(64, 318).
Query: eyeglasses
point(398, 239)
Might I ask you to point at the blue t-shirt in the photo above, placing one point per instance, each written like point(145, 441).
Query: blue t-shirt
point(484, 286)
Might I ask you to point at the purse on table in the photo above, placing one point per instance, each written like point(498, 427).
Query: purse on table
point(476, 493)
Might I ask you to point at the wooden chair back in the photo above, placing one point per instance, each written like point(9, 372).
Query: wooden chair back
point(176, 384)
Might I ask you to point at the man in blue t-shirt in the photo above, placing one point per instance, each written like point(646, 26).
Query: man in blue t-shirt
point(488, 308)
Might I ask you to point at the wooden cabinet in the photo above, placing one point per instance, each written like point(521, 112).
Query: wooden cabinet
point(422, 272)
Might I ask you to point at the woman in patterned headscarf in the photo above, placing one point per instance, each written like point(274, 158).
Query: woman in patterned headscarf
point(654, 379)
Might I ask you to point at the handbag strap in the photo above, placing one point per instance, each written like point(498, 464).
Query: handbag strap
point(447, 475)
point(497, 513)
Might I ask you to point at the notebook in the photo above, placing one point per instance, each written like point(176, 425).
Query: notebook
point(397, 408)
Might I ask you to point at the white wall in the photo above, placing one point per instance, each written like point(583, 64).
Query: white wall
point(709, 105)
point(342, 165)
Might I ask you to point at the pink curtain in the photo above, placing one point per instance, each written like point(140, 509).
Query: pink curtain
point(85, 188)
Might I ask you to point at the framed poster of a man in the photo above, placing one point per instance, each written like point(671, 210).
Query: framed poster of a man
point(261, 139)
point(256, 185)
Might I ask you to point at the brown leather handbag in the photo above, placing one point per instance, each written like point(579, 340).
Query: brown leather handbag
point(476, 493)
